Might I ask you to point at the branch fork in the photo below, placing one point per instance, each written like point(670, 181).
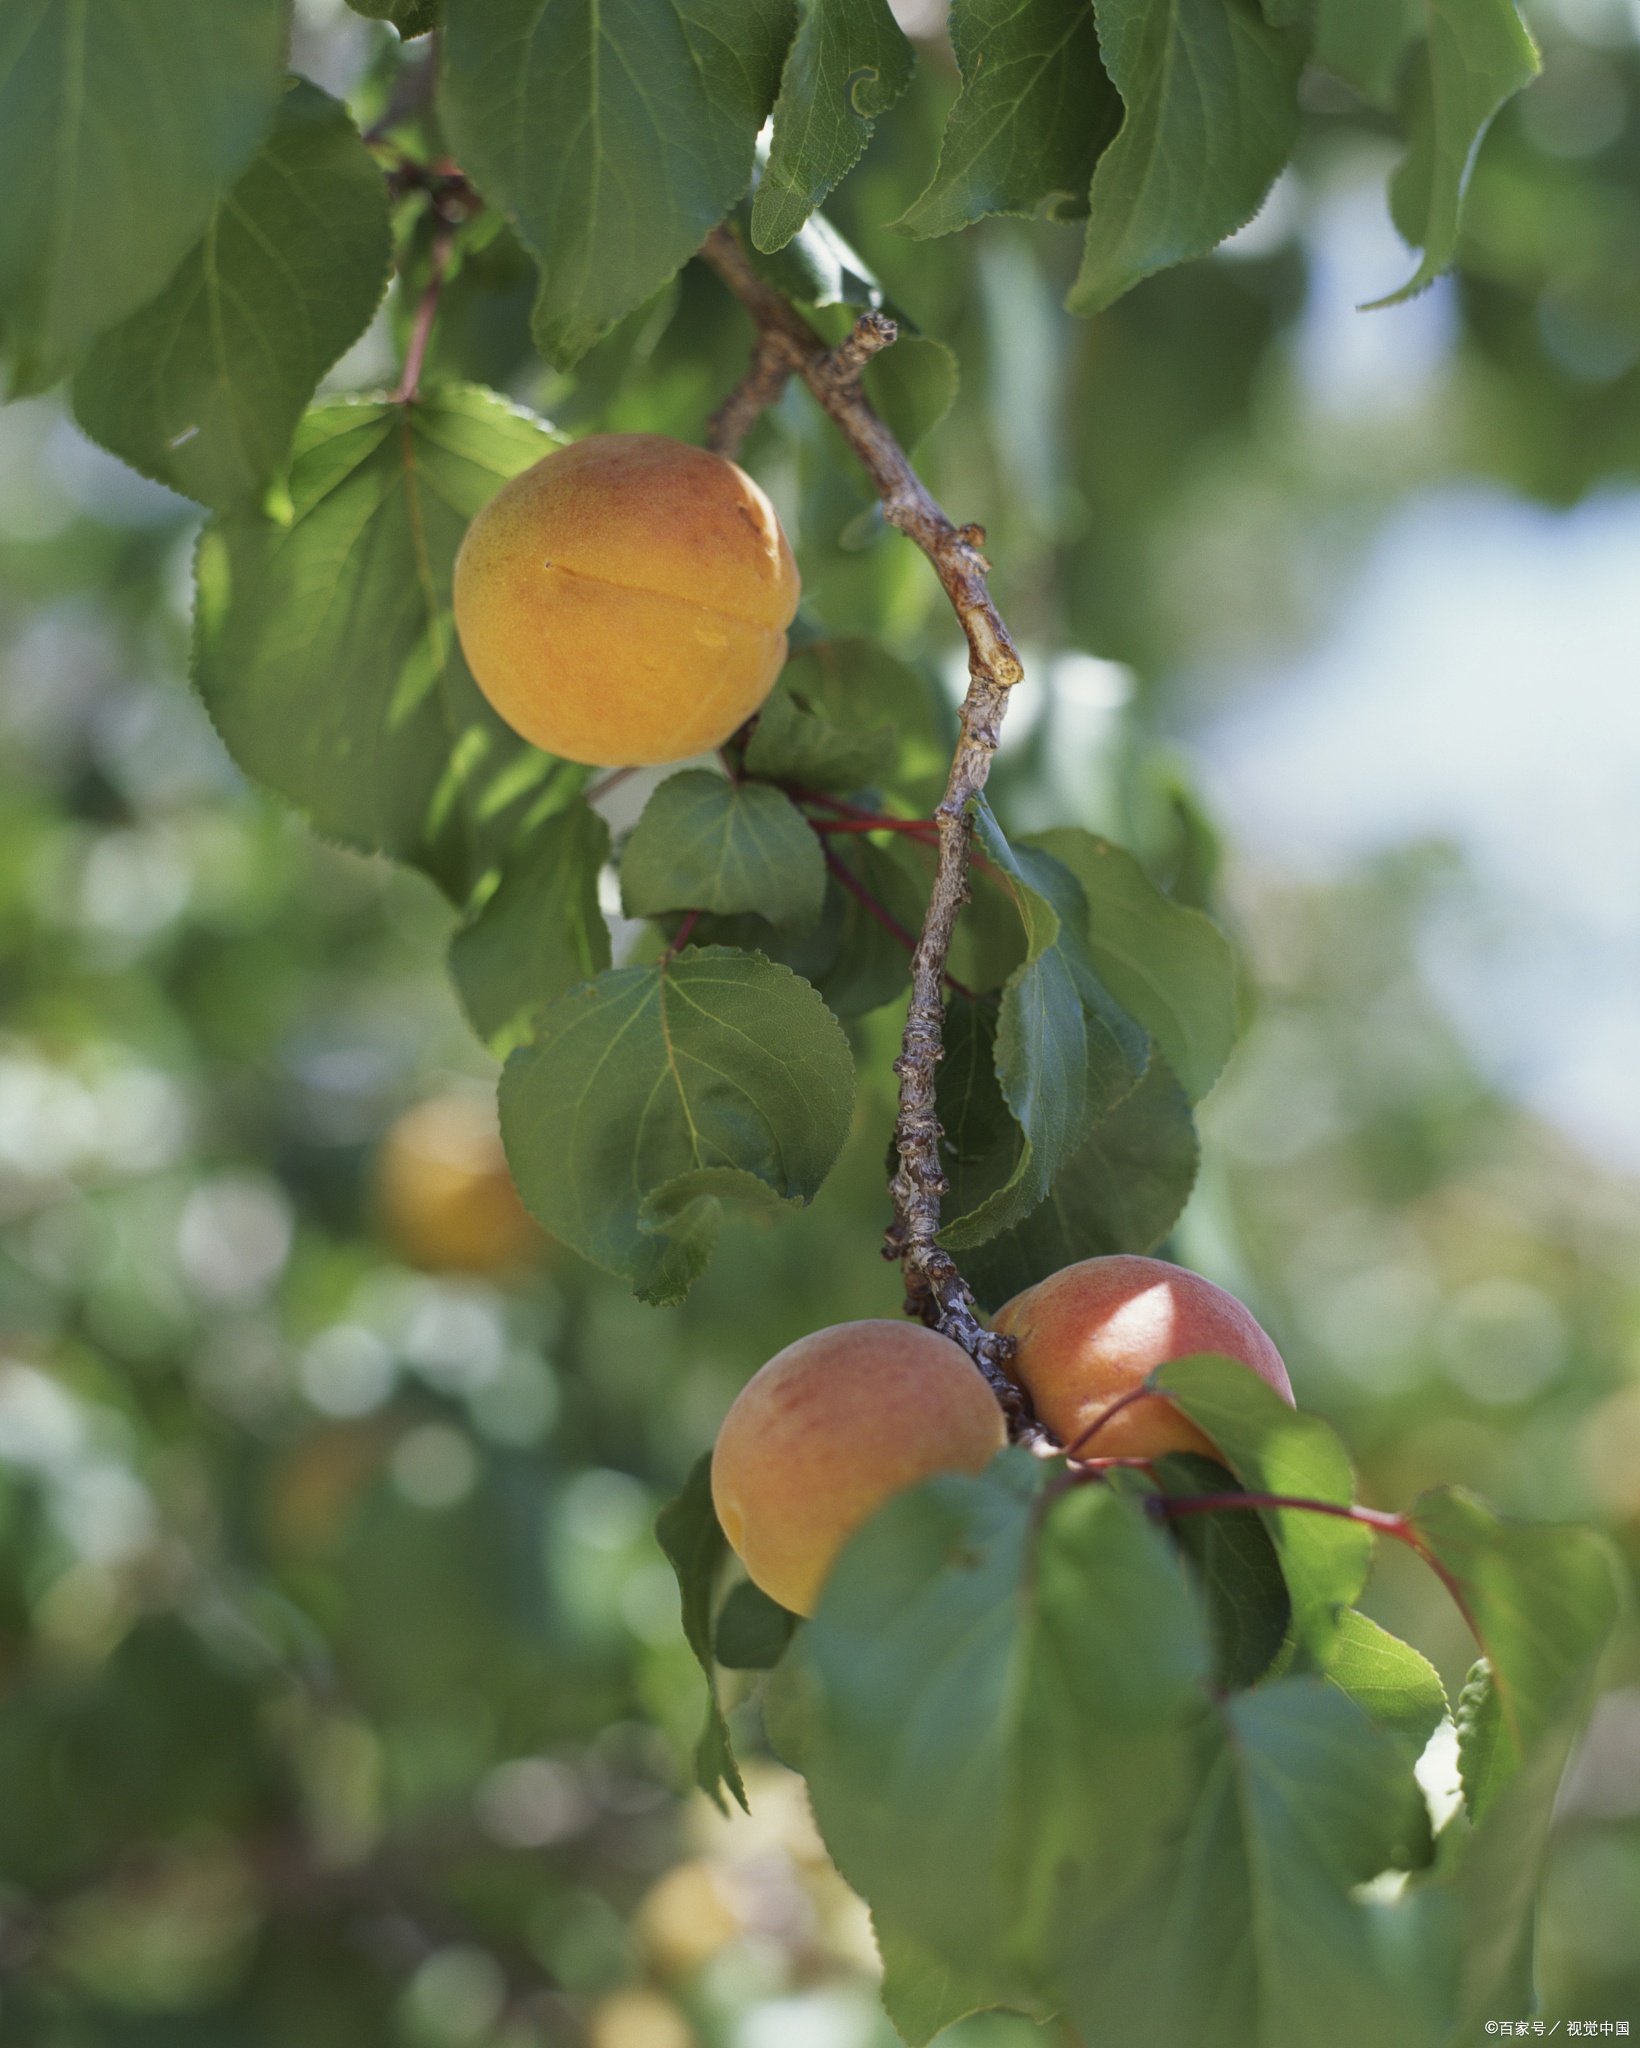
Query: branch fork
point(788, 346)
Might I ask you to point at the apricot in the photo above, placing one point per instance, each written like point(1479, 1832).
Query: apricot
point(1092, 1332)
point(443, 1192)
point(820, 1437)
point(625, 601)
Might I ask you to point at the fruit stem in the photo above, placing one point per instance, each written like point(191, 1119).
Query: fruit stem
point(786, 346)
point(1401, 1527)
point(422, 332)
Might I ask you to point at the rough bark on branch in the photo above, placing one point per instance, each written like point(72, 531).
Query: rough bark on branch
point(788, 346)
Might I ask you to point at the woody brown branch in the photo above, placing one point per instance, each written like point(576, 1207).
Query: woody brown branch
point(788, 346)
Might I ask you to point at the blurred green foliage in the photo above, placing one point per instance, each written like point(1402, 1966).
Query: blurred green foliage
point(343, 1696)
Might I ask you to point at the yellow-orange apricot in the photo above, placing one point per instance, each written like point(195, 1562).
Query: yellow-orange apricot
point(1092, 1332)
point(820, 1437)
point(443, 1192)
point(625, 601)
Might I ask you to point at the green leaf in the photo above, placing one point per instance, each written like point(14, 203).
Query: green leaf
point(325, 650)
point(652, 1094)
point(1122, 1192)
point(980, 1143)
point(1210, 91)
point(1066, 1053)
point(921, 1992)
point(1486, 1757)
point(853, 686)
point(120, 126)
point(203, 389)
point(1035, 111)
point(1244, 1929)
point(615, 133)
point(1499, 1874)
point(1364, 41)
point(968, 1694)
point(816, 267)
point(847, 65)
point(1167, 965)
point(793, 744)
point(1272, 1448)
point(1476, 55)
point(871, 964)
point(855, 961)
point(705, 843)
point(688, 1531)
point(1236, 1567)
point(915, 1654)
point(1387, 1679)
point(752, 1629)
point(411, 18)
point(1542, 1600)
point(540, 933)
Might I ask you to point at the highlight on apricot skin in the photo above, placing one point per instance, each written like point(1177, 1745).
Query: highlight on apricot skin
point(831, 1427)
point(625, 601)
point(1092, 1332)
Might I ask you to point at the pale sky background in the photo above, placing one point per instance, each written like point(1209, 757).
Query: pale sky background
point(1480, 686)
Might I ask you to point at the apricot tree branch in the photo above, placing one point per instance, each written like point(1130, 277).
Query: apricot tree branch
point(786, 346)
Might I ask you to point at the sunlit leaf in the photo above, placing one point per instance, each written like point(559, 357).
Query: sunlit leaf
point(204, 387)
point(688, 1531)
point(706, 843)
point(1272, 1448)
point(653, 1094)
point(1210, 92)
point(1035, 111)
point(848, 64)
point(1475, 55)
point(1541, 1598)
point(1167, 965)
point(120, 127)
point(1389, 1679)
point(325, 649)
point(652, 108)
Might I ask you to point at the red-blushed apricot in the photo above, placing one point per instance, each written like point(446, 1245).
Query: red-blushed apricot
point(443, 1192)
point(820, 1437)
point(1092, 1332)
point(625, 601)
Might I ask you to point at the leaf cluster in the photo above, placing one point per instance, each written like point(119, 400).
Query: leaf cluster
point(613, 138)
point(1124, 1751)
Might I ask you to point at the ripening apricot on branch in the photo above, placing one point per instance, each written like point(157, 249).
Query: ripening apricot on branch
point(624, 602)
point(443, 1192)
point(820, 1437)
point(1093, 1332)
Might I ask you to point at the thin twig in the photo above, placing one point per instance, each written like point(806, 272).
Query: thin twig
point(915, 828)
point(1383, 1521)
point(787, 345)
point(885, 917)
point(606, 783)
point(422, 331)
